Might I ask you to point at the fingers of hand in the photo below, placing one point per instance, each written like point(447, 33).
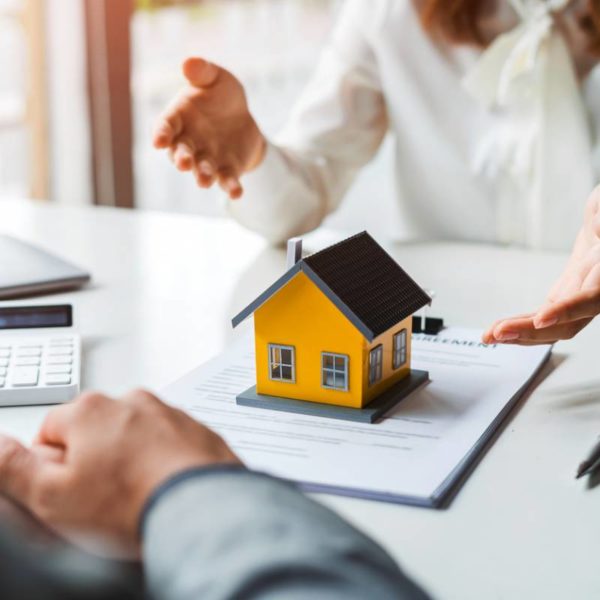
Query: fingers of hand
point(550, 335)
point(142, 398)
point(183, 156)
point(30, 477)
point(581, 305)
point(201, 73)
point(489, 336)
point(47, 452)
point(592, 281)
point(205, 171)
point(524, 332)
point(62, 422)
point(570, 283)
point(56, 426)
point(511, 329)
point(163, 136)
point(17, 466)
point(230, 183)
point(167, 130)
point(581, 273)
point(592, 209)
point(559, 285)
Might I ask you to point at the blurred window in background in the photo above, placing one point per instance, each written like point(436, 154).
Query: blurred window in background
point(23, 102)
point(272, 46)
point(82, 85)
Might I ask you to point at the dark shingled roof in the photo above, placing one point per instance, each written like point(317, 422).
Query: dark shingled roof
point(362, 280)
point(369, 282)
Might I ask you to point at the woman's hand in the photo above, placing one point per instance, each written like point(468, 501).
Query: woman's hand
point(208, 128)
point(573, 301)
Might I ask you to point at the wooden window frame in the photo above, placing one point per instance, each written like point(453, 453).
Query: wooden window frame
point(107, 24)
point(34, 18)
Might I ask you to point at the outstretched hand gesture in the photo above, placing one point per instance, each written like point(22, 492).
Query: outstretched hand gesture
point(208, 128)
point(573, 301)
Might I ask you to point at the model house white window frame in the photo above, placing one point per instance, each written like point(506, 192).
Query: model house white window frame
point(400, 349)
point(376, 364)
point(333, 369)
point(275, 365)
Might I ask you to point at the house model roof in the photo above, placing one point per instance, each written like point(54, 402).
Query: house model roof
point(365, 283)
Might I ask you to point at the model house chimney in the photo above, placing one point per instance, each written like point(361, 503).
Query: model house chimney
point(294, 251)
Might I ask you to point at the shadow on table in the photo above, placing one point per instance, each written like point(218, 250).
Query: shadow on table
point(570, 396)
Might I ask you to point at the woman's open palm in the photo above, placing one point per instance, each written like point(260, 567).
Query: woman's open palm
point(208, 128)
point(573, 301)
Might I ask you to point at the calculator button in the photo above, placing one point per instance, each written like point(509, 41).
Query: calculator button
point(29, 346)
point(59, 360)
point(26, 351)
point(3, 362)
point(58, 369)
point(2, 382)
point(25, 376)
point(2, 371)
point(61, 346)
point(4, 352)
point(58, 379)
point(27, 361)
point(60, 352)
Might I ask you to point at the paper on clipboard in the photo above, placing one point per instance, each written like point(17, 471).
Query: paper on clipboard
point(416, 455)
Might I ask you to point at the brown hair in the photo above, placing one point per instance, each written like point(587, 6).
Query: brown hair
point(457, 21)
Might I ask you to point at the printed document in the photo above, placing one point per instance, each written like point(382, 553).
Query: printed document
point(416, 455)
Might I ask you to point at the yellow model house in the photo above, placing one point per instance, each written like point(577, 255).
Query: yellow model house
point(335, 331)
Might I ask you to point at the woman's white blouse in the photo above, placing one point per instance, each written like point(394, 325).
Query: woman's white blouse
point(381, 72)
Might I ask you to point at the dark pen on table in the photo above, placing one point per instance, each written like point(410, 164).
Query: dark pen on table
point(591, 463)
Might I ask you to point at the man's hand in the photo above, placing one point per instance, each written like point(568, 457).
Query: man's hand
point(573, 301)
point(96, 461)
point(208, 128)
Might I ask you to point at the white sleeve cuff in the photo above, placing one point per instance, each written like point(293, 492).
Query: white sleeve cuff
point(279, 201)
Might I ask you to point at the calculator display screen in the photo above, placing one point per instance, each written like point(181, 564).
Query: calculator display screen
point(31, 317)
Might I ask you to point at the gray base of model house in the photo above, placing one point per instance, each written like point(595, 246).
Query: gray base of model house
point(369, 414)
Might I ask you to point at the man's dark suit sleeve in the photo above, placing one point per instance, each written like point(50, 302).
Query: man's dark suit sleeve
point(230, 533)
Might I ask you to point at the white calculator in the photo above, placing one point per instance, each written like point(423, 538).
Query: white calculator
point(40, 355)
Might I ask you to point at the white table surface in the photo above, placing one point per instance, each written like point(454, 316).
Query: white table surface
point(164, 290)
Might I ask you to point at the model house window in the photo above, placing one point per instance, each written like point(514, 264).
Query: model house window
point(282, 363)
point(399, 356)
point(335, 371)
point(375, 364)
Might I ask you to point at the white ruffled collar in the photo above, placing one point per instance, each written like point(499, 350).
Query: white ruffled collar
point(527, 77)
